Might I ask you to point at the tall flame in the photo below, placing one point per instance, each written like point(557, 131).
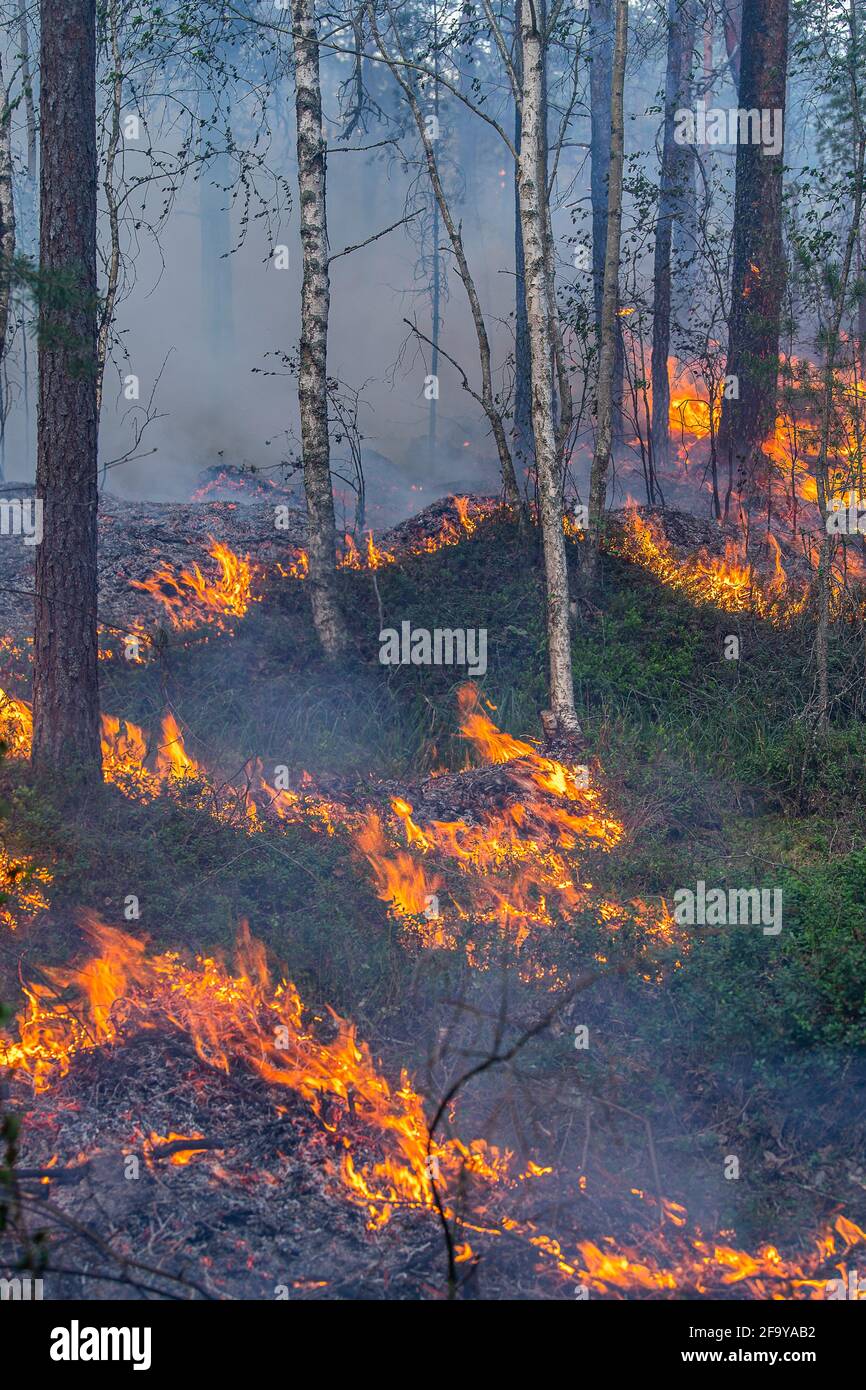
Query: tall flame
point(190, 598)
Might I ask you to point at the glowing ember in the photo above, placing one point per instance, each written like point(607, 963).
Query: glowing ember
point(16, 726)
point(21, 897)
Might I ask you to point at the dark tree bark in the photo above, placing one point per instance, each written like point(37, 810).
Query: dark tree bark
point(65, 688)
point(609, 334)
point(7, 212)
point(676, 170)
point(602, 26)
point(758, 275)
point(732, 20)
point(523, 446)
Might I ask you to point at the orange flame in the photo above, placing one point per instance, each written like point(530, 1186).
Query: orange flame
point(387, 1157)
point(190, 599)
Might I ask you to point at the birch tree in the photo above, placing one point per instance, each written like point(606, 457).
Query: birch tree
point(602, 19)
point(315, 305)
point(7, 219)
point(543, 331)
point(546, 352)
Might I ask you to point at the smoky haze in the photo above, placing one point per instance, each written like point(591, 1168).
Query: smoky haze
point(206, 328)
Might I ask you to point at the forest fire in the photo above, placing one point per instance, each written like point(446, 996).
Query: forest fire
point(448, 531)
point(373, 558)
point(190, 599)
point(22, 882)
point(384, 1159)
point(125, 754)
point(240, 1019)
point(727, 582)
point(427, 873)
point(518, 863)
point(16, 725)
point(125, 757)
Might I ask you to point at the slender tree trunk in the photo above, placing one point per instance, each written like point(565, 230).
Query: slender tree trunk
point(758, 275)
point(27, 231)
point(825, 557)
point(487, 398)
point(602, 26)
point(522, 433)
point(315, 303)
point(216, 244)
point(732, 22)
point(436, 287)
point(435, 326)
point(65, 688)
point(7, 251)
point(106, 317)
point(607, 356)
point(673, 192)
point(535, 224)
point(27, 87)
point(7, 213)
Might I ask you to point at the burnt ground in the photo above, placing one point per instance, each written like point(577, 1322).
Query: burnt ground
point(737, 1051)
point(137, 538)
point(253, 1212)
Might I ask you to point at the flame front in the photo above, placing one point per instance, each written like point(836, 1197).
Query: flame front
point(239, 1019)
point(190, 599)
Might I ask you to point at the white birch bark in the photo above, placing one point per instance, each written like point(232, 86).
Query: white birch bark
point(315, 303)
point(540, 309)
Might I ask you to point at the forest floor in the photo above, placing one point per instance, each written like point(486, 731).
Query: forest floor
point(720, 1097)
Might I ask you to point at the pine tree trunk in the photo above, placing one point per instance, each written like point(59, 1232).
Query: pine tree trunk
point(535, 226)
point(673, 192)
point(602, 26)
point(65, 688)
point(609, 334)
point(315, 305)
point(758, 275)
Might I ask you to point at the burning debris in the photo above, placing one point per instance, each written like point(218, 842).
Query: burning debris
point(504, 845)
point(377, 1150)
point(727, 580)
point(191, 600)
